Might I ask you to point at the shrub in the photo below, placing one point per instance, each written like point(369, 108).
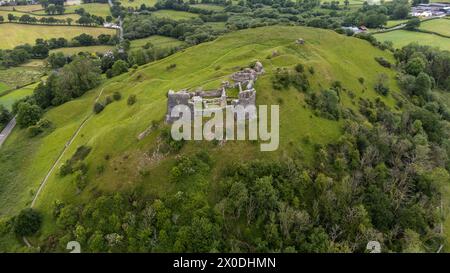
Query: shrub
point(131, 100)
point(98, 107)
point(117, 96)
point(28, 114)
point(39, 127)
point(170, 67)
point(382, 84)
point(27, 223)
point(299, 68)
point(108, 100)
point(383, 62)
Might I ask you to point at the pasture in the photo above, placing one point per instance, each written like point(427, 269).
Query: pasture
point(17, 34)
point(441, 26)
point(157, 41)
point(76, 50)
point(174, 14)
point(401, 38)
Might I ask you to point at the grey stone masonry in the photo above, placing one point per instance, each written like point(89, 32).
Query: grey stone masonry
point(200, 100)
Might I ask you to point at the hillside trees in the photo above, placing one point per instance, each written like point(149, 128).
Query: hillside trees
point(5, 116)
point(72, 81)
point(27, 222)
point(28, 114)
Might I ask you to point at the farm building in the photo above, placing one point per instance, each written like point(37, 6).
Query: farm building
point(431, 10)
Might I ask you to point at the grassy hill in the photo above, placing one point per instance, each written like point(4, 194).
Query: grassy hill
point(113, 133)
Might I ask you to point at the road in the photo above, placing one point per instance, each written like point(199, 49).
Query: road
point(120, 22)
point(8, 129)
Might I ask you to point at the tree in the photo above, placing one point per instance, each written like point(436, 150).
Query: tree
point(28, 114)
point(98, 107)
point(1, 19)
point(422, 85)
point(5, 116)
point(28, 222)
point(68, 217)
point(415, 66)
point(119, 67)
point(413, 23)
point(56, 60)
point(11, 17)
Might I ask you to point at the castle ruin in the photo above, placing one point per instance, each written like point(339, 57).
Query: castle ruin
point(201, 101)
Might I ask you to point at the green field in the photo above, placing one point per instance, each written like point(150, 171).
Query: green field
point(20, 76)
point(156, 40)
point(16, 34)
point(137, 3)
point(5, 13)
point(92, 8)
point(98, 9)
point(4, 87)
point(217, 25)
point(8, 99)
point(174, 14)
point(114, 131)
point(27, 8)
point(209, 7)
point(76, 50)
point(441, 26)
point(401, 38)
point(393, 23)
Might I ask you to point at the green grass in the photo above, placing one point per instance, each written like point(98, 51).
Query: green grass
point(20, 76)
point(5, 13)
point(401, 38)
point(27, 8)
point(217, 25)
point(76, 50)
point(174, 14)
point(138, 3)
point(17, 34)
point(8, 99)
point(25, 161)
point(209, 7)
point(156, 40)
point(393, 23)
point(98, 9)
point(441, 26)
point(4, 87)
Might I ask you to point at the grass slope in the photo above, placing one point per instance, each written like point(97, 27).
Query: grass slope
point(76, 50)
point(5, 13)
point(174, 14)
point(22, 75)
point(8, 99)
point(138, 3)
point(156, 40)
point(16, 34)
point(401, 38)
point(114, 132)
point(441, 26)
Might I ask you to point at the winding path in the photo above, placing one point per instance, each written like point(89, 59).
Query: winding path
point(49, 173)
